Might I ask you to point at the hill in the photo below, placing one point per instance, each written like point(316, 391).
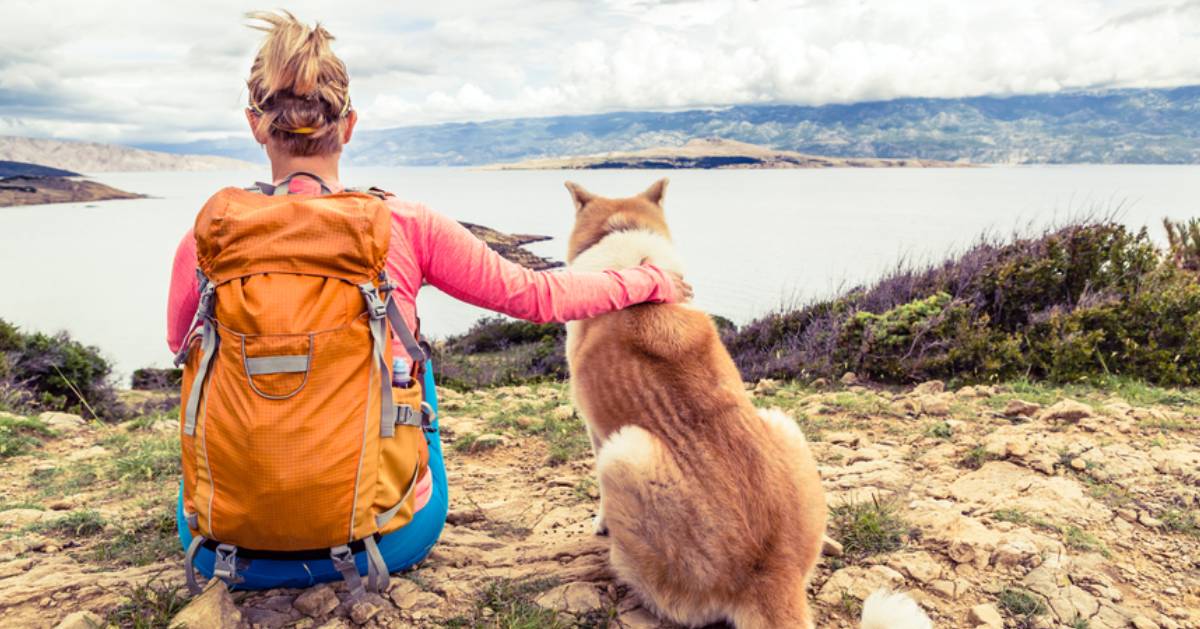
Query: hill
point(1129, 126)
point(19, 169)
point(28, 190)
point(90, 157)
point(712, 153)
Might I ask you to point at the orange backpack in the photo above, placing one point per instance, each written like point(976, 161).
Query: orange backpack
point(295, 444)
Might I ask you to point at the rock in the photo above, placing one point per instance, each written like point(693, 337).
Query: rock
point(1021, 408)
point(920, 566)
point(21, 518)
point(563, 412)
point(831, 547)
point(1016, 552)
point(1145, 519)
point(986, 615)
point(943, 588)
point(317, 601)
point(1078, 464)
point(65, 422)
point(933, 387)
point(859, 582)
point(1067, 411)
point(409, 596)
point(94, 452)
point(934, 405)
point(13, 568)
point(488, 441)
point(1141, 622)
point(80, 620)
point(819, 383)
point(847, 438)
point(575, 598)
point(366, 608)
point(212, 609)
point(767, 386)
point(849, 378)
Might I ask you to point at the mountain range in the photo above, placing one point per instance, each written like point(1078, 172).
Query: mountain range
point(1157, 126)
point(92, 157)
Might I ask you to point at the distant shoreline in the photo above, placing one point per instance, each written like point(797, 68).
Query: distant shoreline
point(32, 190)
point(715, 154)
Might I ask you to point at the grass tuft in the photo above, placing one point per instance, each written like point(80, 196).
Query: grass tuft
point(868, 528)
point(150, 605)
point(21, 435)
point(509, 604)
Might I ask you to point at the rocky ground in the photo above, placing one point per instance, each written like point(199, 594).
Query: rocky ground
point(1018, 506)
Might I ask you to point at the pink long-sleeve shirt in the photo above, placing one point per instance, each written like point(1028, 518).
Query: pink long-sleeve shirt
point(426, 246)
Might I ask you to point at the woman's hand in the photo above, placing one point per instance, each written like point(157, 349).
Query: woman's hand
point(682, 289)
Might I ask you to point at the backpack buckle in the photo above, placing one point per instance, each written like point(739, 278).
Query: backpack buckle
point(225, 567)
point(375, 306)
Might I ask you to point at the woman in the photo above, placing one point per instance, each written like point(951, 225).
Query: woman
point(300, 111)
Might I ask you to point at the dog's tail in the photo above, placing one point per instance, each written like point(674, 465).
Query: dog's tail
point(885, 609)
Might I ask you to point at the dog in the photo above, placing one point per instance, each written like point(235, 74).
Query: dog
point(714, 509)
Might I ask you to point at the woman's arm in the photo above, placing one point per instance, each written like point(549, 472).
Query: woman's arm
point(463, 266)
point(184, 295)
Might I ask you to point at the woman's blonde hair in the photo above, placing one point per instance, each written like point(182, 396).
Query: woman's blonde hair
point(298, 87)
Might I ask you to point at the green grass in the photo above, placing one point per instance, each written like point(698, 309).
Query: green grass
point(1099, 389)
point(868, 528)
point(21, 435)
point(76, 524)
point(142, 543)
point(1079, 539)
point(976, 457)
point(148, 459)
point(1185, 522)
point(147, 606)
point(509, 604)
point(1020, 605)
point(54, 482)
point(940, 430)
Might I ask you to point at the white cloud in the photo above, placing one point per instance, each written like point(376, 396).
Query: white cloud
point(143, 70)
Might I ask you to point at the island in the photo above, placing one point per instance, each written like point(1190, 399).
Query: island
point(22, 183)
point(715, 153)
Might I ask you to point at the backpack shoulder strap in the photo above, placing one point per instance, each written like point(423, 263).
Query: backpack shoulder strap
point(282, 187)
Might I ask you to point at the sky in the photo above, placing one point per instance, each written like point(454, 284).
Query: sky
point(133, 71)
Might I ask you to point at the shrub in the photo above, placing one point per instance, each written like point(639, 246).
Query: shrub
point(1084, 301)
point(57, 373)
point(152, 379)
point(868, 528)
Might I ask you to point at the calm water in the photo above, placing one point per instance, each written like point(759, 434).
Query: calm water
point(754, 240)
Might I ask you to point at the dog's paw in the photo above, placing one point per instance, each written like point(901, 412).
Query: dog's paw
point(599, 525)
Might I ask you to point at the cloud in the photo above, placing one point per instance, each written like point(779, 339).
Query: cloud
point(145, 70)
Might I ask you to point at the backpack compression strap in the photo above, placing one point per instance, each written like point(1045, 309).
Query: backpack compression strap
point(281, 188)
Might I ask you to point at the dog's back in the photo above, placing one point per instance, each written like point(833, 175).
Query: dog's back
point(715, 509)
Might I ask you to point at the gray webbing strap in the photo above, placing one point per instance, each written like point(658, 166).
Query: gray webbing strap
point(405, 335)
point(264, 365)
point(386, 516)
point(378, 313)
point(377, 570)
point(281, 188)
point(343, 562)
point(208, 347)
point(203, 310)
point(189, 565)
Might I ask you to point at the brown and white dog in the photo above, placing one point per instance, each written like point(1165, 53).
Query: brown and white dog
point(714, 508)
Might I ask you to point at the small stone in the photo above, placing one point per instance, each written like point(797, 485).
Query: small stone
point(563, 412)
point(849, 378)
point(943, 588)
point(212, 609)
point(80, 620)
point(317, 601)
point(20, 518)
point(847, 438)
point(1021, 408)
point(576, 598)
point(94, 452)
point(487, 441)
point(1068, 411)
point(934, 405)
point(66, 422)
point(1148, 520)
point(638, 618)
point(986, 615)
point(932, 387)
point(831, 547)
point(366, 608)
point(767, 386)
point(819, 383)
point(1141, 622)
point(1078, 464)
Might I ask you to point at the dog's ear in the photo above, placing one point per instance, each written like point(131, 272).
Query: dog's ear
point(657, 191)
point(580, 196)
